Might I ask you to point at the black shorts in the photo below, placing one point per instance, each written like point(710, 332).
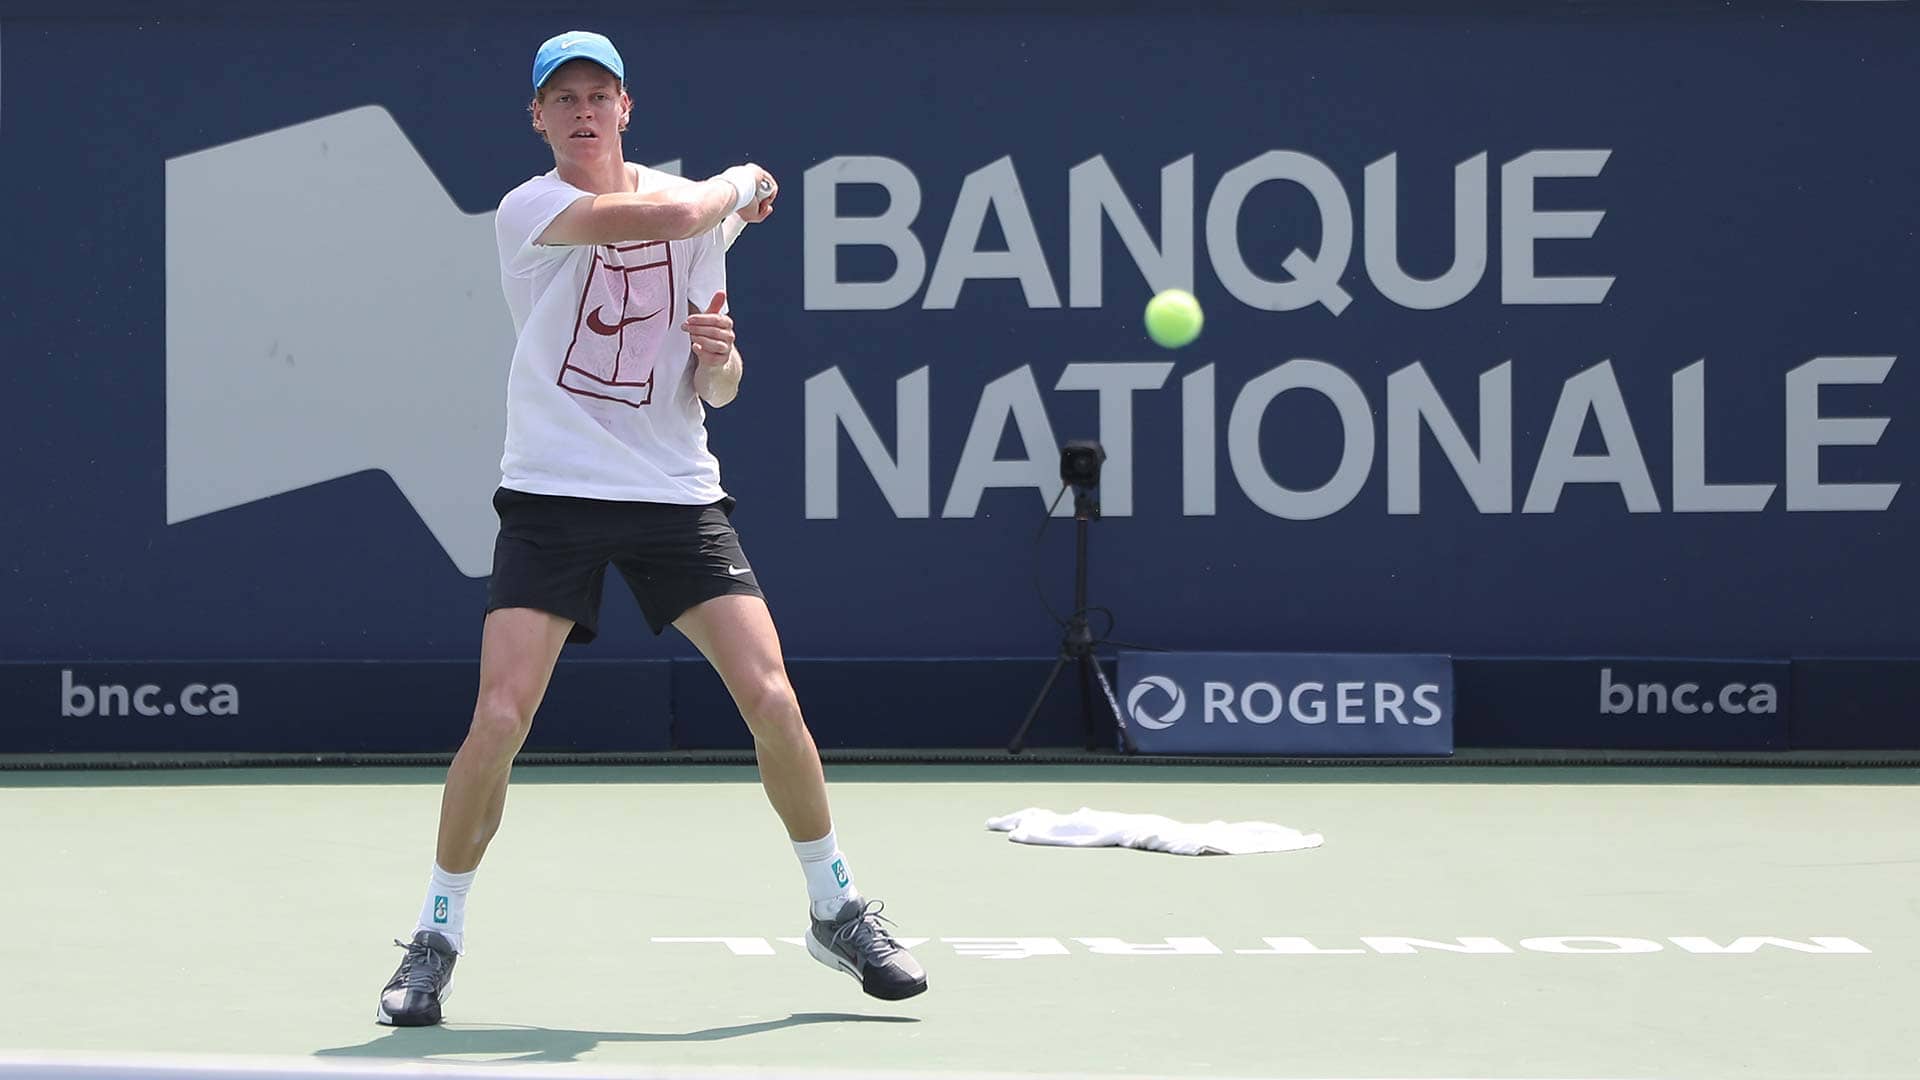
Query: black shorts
point(553, 550)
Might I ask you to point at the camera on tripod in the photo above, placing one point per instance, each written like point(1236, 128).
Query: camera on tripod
point(1080, 461)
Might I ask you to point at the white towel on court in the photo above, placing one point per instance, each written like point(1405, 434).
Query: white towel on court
point(1087, 827)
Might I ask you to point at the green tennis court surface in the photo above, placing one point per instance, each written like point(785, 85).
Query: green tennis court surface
point(1499, 922)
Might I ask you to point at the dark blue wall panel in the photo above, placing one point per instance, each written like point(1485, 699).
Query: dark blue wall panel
point(256, 350)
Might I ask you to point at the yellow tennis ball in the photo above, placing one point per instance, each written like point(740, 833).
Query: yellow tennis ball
point(1173, 318)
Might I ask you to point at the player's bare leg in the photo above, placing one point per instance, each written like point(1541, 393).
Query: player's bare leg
point(737, 636)
point(518, 648)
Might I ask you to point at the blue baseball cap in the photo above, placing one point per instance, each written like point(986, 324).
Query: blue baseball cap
point(575, 45)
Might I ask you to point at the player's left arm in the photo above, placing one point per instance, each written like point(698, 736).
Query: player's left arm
point(716, 359)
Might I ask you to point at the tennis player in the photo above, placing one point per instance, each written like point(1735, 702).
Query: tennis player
point(615, 275)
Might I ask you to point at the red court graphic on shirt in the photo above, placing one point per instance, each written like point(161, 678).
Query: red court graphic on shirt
point(625, 310)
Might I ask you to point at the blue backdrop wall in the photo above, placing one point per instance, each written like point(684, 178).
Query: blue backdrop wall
point(1557, 333)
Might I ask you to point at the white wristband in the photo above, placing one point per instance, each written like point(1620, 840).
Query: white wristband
point(742, 180)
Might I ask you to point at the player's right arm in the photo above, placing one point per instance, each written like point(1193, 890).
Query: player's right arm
point(679, 212)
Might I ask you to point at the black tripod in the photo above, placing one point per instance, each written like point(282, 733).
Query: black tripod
point(1077, 643)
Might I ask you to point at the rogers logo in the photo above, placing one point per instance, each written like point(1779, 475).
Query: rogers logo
point(1146, 719)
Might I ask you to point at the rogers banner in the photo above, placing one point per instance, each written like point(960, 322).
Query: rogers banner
point(1287, 703)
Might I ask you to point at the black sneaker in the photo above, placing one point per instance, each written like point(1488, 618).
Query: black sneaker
point(856, 943)
point(414, 995)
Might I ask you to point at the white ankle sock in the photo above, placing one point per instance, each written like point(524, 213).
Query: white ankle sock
point(829, 882)
point(445, 911)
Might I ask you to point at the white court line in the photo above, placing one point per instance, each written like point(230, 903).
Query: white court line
point(74, 1066)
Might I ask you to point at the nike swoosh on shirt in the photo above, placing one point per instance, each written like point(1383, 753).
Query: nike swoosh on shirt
point(595, 324)
point(736, 571)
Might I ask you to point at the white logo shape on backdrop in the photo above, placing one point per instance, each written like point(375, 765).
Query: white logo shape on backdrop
point(329, 311)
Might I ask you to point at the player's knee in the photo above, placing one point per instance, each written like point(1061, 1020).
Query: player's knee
point(501, 720)
point(769, 705)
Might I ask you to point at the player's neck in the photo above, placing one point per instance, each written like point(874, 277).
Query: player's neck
point(602, 176)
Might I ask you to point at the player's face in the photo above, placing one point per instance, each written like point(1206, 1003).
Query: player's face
point(581, 110)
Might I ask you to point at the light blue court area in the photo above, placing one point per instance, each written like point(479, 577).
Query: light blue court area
point(1458, 922)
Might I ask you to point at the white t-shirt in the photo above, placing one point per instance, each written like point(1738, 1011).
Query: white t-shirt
point(600, 401)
